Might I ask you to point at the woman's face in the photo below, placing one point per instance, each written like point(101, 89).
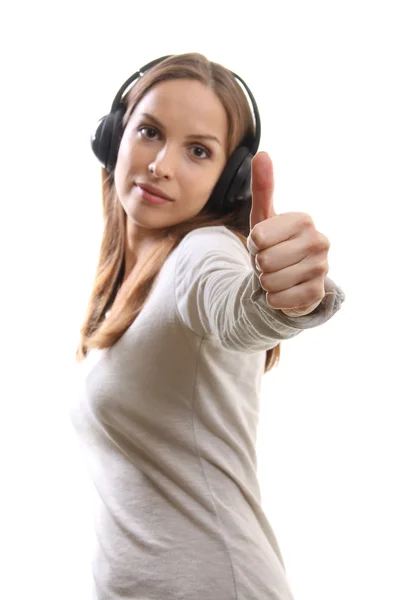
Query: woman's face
point(175, 140)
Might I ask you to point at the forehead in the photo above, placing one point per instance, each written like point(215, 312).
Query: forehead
point(187, 103)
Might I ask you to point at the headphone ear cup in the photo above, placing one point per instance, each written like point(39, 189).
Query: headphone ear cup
point(241, 182)
point(107, 137)
point(233, 182)
point(100, 140)
point(116, 138)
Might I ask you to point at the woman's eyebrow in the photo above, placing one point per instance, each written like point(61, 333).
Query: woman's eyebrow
point(193, 135)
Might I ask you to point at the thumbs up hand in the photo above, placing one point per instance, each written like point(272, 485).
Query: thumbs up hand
point(292, 254)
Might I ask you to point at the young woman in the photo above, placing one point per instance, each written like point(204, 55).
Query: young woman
point(198, 282)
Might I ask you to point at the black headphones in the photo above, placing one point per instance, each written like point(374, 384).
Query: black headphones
point(234, 182)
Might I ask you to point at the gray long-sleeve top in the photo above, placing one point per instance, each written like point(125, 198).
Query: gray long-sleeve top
point(168, 420)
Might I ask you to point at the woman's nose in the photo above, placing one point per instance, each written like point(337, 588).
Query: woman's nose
point(164, 164)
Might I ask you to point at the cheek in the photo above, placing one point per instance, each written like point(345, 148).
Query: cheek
point(206, 184)
point(128, 157)
point(121, 159)
point(125, 151)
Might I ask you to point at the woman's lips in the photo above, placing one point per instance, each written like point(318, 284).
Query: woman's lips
point(150, 197)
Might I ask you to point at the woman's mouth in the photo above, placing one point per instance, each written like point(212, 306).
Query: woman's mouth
point(150, 196)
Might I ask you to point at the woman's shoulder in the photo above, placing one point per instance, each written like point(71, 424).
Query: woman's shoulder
point(214, 237)
point(215, 242)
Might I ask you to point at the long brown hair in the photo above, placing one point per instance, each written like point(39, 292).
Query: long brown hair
point(99, 332)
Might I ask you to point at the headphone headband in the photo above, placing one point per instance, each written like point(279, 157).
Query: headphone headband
point(117, 100)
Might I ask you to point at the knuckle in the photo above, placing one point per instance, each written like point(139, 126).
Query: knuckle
point(323, 241)
point(257, 234)
point(315, 289)
point(320, 268)
point(264, 280)
point(305, 220)
point(318, 243)
point(261, 261)
point(326, 242)
point(254, 238)
point(270, 300)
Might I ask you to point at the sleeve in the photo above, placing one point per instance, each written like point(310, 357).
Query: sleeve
point(218, 294)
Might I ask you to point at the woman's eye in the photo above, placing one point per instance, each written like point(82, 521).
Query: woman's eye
point(200, 152)
point(151, 133)
point(147, 132)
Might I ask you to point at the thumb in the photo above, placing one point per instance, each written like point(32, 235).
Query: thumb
point(262, 187)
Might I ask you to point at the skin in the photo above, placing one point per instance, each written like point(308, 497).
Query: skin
point(171, 154)
point(291, 254)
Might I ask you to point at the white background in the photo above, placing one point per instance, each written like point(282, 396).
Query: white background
point(326, 77)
